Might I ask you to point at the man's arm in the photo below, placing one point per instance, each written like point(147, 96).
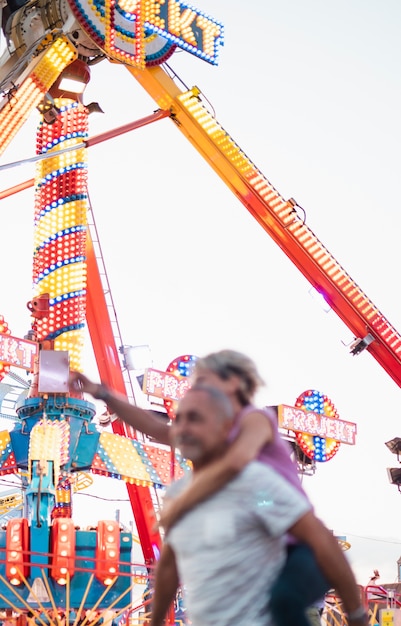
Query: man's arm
point(333, 564)
point(166, 585)
point(140, 419)
point(255, 432)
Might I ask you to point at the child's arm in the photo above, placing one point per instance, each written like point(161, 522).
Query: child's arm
point(255, 432)
point(140, 419)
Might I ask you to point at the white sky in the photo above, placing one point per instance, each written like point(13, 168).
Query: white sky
point(311, 92)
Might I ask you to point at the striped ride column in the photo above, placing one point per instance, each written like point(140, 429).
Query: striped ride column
point(59, 262)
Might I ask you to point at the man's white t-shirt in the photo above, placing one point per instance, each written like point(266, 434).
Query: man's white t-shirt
point(231, 547)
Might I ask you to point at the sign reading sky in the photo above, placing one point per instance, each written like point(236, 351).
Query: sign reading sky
point(17, 352)
point(143, 33)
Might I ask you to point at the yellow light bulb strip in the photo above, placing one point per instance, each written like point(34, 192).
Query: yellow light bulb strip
point(72, 341)
point(64, 280)
point(54, 160)
point(41, 74)
point(45, 443)
point(58, 218)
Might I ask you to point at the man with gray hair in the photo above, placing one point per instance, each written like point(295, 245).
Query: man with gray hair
point(229, 549)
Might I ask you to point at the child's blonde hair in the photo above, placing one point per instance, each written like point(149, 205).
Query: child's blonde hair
point(227, 363)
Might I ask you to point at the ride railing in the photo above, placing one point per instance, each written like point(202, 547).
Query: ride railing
point(374, 597)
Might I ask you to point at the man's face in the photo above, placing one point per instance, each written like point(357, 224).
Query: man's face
point(199, 430)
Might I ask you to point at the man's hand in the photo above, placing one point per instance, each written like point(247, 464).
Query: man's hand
point(169, 514)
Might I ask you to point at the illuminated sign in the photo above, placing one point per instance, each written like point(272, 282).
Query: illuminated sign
point(164, 385)
point(316, 424)
point(18, 352)
point(146, 32)
point(318, 430)
point(182, 366)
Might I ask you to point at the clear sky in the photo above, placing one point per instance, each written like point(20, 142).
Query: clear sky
point(311, 92)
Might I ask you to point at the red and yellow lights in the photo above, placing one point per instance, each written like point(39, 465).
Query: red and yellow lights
point(107, 551)
point(59, 264)
point(17, 548)
point(62, 550)
point(4, 330)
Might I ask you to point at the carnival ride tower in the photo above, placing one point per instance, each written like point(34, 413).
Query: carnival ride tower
point(49, 565)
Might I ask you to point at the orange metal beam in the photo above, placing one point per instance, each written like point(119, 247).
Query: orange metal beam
point(17, 188)
point(277, 216)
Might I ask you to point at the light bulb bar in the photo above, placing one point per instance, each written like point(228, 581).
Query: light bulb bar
point(18, 103)
point(277, 216)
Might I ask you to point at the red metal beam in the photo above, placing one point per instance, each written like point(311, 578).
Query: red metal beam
point(108, 363)
point(120, 130)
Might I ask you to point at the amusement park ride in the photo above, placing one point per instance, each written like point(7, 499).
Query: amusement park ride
point(46, 564)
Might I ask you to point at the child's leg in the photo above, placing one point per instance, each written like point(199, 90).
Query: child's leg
point(299, 584)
